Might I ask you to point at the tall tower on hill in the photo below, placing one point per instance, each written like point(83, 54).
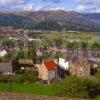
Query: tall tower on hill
point(43, 18)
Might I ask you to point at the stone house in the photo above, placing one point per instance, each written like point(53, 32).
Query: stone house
point(3, 53)
point(79, 68)
point(39, 53)
point(25, 64)
point(95, 62)
point(6, 68)
point(47, 70)
point(94, 65)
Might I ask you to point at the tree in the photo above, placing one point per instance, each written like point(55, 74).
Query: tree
point(8, 43)
point(97, 76)
point(21, 54)
point(95, 46)
point(1, 59)
point(57, 55)
point(58, 42)
point(31, 75)
point(84, 45)
point(15, 66)
point(75, 86)
point(30, 53)
point(72, 45)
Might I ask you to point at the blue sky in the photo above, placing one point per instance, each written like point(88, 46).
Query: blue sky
point(82, 6)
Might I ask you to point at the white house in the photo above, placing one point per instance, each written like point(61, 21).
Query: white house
point(63, 64)
point(33, 39)
point(3, 53)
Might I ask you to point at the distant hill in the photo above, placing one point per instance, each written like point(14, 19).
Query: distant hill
point(15, 20)
point(93, 16)
point(51, 20)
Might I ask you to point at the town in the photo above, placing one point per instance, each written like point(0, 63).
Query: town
point(49, 49)
point(47, 57)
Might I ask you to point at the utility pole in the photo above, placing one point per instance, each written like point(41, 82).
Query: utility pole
point(10, 87)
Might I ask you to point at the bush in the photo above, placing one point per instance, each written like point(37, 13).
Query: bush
point(97, 97)
point(31, 76)
point(7, 79)
point(20, 78)
point(74, 86)
point(93, 86)
point(13, 79)
point(97, 75)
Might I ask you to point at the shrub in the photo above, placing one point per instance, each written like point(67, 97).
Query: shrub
point(20, 78)
point(93, 86)
point(31, 76)
point(13, 79)
point(7, 79)
point(97, 75)
point(97, 97)
point(25, 76)
point(74, 86)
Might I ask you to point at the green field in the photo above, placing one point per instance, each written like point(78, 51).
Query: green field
point(28, 88)
point(97, 98)
point(34, 88)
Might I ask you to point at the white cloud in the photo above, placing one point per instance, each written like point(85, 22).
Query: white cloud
point(88, 6)
point(54, 1)
point(95, 1)
point(82, 5)
point(80, 8)
point(11, 2)
point(2, 2)
point(56, 8)
point(5, 1)
point(97, 10)
point(31, 7)
point(88, 9)
point(87, 1)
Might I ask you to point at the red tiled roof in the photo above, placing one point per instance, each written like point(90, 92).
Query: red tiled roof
point(50, 65)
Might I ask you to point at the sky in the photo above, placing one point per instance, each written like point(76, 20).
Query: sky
point(81, 6)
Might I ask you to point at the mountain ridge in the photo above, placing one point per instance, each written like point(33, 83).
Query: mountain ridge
point(31, 18)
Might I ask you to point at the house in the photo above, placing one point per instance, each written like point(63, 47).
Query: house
point(34, 39)
point(39, 53)
point(47, 70)
point(63, 64)
point(79, 67)
point(6, 68)
point(94, 65)
point(63, 68)
point(3, 53)
point(94, 62)
point(25, 64)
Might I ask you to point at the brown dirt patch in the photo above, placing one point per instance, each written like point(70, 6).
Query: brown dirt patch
point(22, 96)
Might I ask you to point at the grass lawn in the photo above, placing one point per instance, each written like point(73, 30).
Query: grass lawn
point(28, 88)
point(31, 89)
point(97, 98)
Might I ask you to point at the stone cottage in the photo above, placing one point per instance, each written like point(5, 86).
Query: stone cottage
point(6, 68)
point(26, 64)
point(79, 66)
